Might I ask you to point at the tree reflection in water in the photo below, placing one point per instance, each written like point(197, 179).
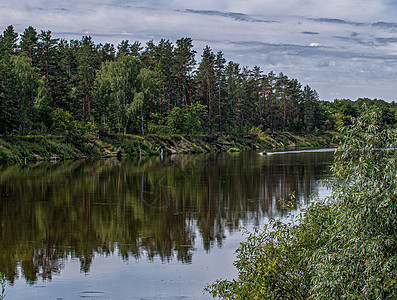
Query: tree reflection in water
point(50, 213)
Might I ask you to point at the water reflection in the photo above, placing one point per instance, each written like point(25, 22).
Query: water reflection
point(51, 213)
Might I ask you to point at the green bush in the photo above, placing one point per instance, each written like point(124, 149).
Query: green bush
point(344, 247)
point(187, 120)
point(134, 148)
point(63, 122)
point(274, 263)
point(359, 257)
point(7, 157)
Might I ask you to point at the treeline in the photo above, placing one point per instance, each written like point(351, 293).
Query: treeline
point(53, 85)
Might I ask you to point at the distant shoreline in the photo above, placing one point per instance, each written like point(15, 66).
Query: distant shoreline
point(28, 149)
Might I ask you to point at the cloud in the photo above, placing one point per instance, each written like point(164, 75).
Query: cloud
point(387, 25)
point(232, 15)
point(319, 8)
point(387, 40)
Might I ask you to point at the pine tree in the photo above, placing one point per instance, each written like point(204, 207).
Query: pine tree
point(8, 41)
point(8, 46)
point(29, 43)
point(206, 80)
point(184, 63)
point(269, 92)
point(87, 63)
point(220, 62)
point(310, 108)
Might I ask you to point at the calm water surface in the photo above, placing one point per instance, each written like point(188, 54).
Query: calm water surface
point(150, 229)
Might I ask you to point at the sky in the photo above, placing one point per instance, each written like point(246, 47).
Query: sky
point(341, 48)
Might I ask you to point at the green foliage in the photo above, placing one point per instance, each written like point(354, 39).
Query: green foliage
point(187, 120)
point(257, 130)
point(123, 90)
point(359, 258)
point(7, 156)
point(144, 102)
point(136, 148)
point(63, 122)
point(156, 126)
point(195, 118)
point(33, 148)
point(273, 263)
point(341, 248)
point(114, 88)
point(176, 121)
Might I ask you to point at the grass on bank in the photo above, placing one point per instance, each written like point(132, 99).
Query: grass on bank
point(20, 149)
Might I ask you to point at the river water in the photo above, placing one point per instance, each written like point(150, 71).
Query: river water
point(143, 229)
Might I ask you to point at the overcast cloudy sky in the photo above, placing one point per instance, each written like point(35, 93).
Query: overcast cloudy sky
point(341, 48)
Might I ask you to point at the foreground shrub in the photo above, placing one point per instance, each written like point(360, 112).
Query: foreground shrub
point(342, 248)
point(273, 263)
point(359, 259)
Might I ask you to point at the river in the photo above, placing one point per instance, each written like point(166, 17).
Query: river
point(142, 229)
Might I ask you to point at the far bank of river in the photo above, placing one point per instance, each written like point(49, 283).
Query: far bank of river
point(27, 149)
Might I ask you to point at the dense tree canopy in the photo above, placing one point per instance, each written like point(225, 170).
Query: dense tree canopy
point(129, 88)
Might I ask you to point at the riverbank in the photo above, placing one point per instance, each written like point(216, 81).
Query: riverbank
point(24, 149)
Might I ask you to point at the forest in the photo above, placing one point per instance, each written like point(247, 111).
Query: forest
point(50, 85)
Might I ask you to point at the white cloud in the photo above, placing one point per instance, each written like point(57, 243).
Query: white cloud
point(317, 8)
